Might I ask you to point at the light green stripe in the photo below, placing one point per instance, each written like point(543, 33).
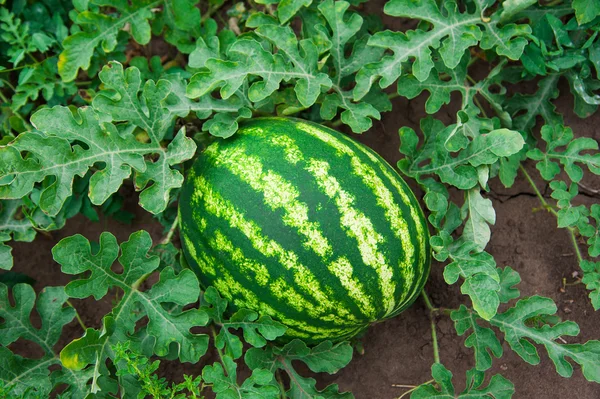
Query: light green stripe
point(205, 263)
point(279, 288)
point(359, 227)
point(385, 200)
point(246, 266)
point(414, 212)
point(292, 152)
point(303, 277)
point(342, 270)
point(278, 193)
point(242, 297)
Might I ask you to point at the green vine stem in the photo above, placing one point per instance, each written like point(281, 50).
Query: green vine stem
point(81, 323)
point(412, 388)
point(550, 209)
point(213, 332)
point(575, 245)
point(211, 11)
point(281, 385)
point(3, 98)
point(432, 310)
point(171, 231)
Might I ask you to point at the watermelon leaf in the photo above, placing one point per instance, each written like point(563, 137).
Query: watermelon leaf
point(591, 279)
point(116, 147)
point(526, 107)
point(20, 375)
point(325, 357)
point(508, 279)
point(460, 171)
point(481, 214)
point(567, 215)
point(557, 136)
point(451, 33)
point(344, 27)
point(498, 387)
point(12, 228)
point(530, 320)
point(439, 89)
point(482, 339)
point(223, 376)
point(227, 112)
point(256, 330)
point(577, 219)
point(99, 29)
point(167, 324)
point(247, 58)
point(524, 322)
point(592, 232)
point(286, 9)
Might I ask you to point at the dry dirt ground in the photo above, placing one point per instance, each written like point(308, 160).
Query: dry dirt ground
point(399, 351)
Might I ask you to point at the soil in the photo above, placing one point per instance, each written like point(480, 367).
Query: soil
point(399, 351)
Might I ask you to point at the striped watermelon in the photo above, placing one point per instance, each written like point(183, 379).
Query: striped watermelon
point(301, 223)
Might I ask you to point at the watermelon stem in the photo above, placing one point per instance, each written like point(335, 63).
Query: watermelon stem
point(549, 208)
point(432, 310)
point(171, 231)
point(281, 385)
point(412, 388)
point(79, 320)
point(213, 332)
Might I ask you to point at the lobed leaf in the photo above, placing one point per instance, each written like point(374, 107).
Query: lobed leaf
point(11, 227)
point(57, 151)
point(482, 339)
point(325, 357)
point(528, 107)
point(344, 26)
point(19, 374)
point(434, 158)
point(223, 378)
point(176, 19)
point(591, 279)
point(101, 29)
point(519, 327)
point(557, 136)
point(592, 232)
point(256, 330)
point(161, 304)
point(498, 387)
point(451, 33)
point(227, 113)
point(568, 215)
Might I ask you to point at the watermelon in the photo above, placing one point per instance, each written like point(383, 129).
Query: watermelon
point(299, 222)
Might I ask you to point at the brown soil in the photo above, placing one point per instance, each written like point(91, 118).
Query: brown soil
point(399, 351)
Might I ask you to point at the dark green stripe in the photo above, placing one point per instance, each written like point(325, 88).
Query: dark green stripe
point(405, 208)
point(271, 220)
point(323, 209)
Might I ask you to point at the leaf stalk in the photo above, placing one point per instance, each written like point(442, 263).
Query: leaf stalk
point(171, 231)
point(549, 208)
point(79, 320)
point(432, 310)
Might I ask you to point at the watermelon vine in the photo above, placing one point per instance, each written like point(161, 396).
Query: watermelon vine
point(98, 96)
